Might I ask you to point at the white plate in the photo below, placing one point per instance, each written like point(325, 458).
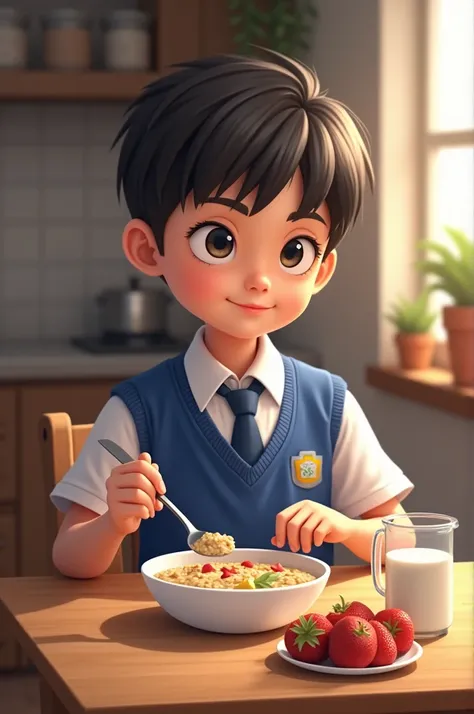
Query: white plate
point(411, 656)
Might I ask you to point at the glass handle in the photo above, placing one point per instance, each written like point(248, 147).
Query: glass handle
point(376, 561)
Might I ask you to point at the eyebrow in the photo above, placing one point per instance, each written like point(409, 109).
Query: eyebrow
point(242, 208)
point(230, 203)
point(298, 215)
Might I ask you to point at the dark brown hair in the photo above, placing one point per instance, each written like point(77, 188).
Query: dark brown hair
point(215, 120)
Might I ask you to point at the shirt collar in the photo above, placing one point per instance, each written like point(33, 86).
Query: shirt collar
point(205, 374)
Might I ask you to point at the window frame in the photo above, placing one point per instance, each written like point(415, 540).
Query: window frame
point(431, 143)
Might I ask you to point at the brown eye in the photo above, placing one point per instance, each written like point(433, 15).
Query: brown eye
point(212, 243)
point(298, 255)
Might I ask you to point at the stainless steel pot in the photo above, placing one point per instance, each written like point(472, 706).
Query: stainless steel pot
point(132, 312)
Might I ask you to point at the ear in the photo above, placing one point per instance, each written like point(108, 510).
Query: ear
point(139, 246)
point(325, 272)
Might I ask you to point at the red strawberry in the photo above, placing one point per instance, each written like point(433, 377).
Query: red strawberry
point(207, 568)
point(277, 568)
point(386, 647)
point(247, 564)
point(343, 609)
point(353, 642)
point(400, 625)
point(307, 638)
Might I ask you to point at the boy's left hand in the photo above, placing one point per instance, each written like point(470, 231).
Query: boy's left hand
point(308, 523)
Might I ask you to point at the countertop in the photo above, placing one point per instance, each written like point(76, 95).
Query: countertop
point(28, 361)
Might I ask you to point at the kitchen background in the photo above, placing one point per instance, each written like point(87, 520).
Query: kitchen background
point(60, 246)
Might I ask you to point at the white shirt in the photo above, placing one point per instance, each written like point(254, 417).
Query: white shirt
point(363, 476)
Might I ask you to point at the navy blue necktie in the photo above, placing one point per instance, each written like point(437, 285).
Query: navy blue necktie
point(246, 439)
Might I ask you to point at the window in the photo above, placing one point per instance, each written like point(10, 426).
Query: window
point(449, 123)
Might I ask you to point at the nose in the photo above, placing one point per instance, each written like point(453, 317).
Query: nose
point(257, 282)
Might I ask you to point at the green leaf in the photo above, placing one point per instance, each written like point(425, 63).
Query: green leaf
point(265, 580)
point(414, 316)
point(307, 632)
point(235, 20)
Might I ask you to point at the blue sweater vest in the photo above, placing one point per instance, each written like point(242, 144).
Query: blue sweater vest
point(207, 479)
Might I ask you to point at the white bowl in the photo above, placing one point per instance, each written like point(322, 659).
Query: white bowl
point(236, 611)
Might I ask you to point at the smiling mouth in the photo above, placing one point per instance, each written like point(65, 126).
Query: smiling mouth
point(251, 306)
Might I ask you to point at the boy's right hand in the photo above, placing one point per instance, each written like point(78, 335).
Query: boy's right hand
point(131, 493)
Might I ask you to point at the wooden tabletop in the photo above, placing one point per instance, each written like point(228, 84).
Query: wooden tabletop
point(104, 646)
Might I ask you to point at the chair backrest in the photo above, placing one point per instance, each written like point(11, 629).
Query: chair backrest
point(61, 442)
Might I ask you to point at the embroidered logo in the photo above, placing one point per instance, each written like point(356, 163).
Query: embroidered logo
point(307, 469)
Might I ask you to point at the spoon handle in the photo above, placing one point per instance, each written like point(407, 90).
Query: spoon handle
point(175, 510)
point(124, 458)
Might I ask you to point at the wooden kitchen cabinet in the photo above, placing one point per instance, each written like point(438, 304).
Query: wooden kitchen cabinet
point(82, 401)
point(8, 421)
point(9, 650)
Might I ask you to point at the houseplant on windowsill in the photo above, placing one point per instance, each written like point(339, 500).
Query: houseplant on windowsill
point(454, 271)
point(414, 340)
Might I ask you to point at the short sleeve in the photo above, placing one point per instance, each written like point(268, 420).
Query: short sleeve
point(84, 483)
point(363, 477)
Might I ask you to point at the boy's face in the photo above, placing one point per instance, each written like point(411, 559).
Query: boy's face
point(243, 275)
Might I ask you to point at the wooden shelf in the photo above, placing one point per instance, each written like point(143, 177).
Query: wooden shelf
point(431, 387)
point(93, 86)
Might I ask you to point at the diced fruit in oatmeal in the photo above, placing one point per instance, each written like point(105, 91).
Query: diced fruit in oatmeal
point(207, 568)
point(248, 584)
point(199, 575)
point(278, 568)
point(247, 564)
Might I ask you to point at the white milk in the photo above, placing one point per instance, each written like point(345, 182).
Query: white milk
point(420, 581)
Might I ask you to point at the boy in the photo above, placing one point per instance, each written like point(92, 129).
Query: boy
point(241, 180)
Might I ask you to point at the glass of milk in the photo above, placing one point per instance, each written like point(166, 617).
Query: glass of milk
point(419, 579)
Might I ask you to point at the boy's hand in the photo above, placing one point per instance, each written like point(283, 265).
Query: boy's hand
point(131, 494)
point(308, 523)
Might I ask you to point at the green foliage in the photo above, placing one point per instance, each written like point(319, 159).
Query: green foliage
point(454, 269)
point(413, 316)
point(283, 27)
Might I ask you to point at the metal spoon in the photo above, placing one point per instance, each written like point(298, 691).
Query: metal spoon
point(124, 458)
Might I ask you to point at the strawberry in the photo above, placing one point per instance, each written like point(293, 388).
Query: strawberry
point(386, 647)
point(400, 625)
point(352, 643)
point(343, 609)
point(247, 564)
point(277, 568)
point(207, 568)
point(307, 638)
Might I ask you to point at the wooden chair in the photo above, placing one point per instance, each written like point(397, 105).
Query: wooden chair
point(61, 442)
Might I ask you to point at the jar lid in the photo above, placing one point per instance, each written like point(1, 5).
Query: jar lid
point(66, 18)
point(128, 19)
point(11, 16)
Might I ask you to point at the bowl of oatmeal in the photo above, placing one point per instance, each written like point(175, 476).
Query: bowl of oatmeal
point(247, 590)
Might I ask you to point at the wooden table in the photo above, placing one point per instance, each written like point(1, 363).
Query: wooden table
point(104, 647)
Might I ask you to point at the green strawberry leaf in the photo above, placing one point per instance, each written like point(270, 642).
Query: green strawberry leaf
point(307, 633)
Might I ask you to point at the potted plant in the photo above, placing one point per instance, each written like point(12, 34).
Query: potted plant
point(281, 25)
point(454, 273)
point(414, 341)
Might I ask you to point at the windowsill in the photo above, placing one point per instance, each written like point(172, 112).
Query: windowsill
point(432, 387)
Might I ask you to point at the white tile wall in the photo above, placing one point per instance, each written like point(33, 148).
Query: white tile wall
point(60, 221)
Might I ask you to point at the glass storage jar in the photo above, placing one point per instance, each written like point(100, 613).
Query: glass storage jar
point(127, 41)
point(67, 40)
point(13, 39)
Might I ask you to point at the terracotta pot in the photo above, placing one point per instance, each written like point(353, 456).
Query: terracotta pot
point(459, 324)
point(415, 349)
